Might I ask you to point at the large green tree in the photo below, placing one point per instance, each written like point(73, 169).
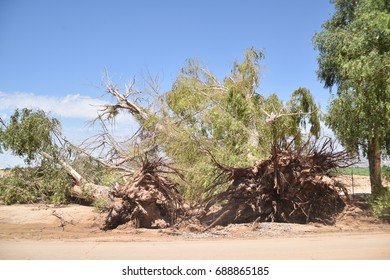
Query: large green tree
point(354, 56)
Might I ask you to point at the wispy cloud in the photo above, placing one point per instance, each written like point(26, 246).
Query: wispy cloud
point(69, 106)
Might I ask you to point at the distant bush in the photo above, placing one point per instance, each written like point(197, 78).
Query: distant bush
point(361, 171)
point(101, 204)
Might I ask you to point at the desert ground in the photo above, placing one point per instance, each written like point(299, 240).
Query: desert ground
point(44, 232)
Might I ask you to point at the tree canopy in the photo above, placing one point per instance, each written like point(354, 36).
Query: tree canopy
point(354, 56)
point(29, 133)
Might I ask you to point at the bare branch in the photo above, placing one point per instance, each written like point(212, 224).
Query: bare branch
point(2, 122)
point(75, 175)
point(272, 117)
point(124, 103)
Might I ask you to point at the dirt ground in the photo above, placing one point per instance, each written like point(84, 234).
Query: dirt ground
point(72, 232)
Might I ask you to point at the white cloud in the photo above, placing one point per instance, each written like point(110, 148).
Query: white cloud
point(74, 111)
point(70, 106)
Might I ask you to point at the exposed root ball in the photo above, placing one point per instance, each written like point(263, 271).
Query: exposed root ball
point(149, 201)
point(290, 186)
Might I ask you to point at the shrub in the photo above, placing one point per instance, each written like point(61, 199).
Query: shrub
point(101, 204)
point(386, 173)
point(380, 204)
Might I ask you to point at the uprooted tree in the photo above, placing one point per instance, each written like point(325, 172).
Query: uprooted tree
point(37, 137)
point(292, 185)
point(236, 125)
point(150, 199)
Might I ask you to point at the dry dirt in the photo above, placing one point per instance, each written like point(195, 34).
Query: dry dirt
point(72, 232)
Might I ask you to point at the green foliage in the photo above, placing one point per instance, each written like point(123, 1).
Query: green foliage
point(380, 203)
point(46, 184)
point(360, 171)
point(354, 55)
point(18, 187)
point(94, 172)
point(34, 135)
point(386, 173)
point(29, 133)
point(101, 204)
point(364, 171)
point(199, 116)
point(299, 113)
point(91, 170)
point(228, 118)
point(302, 101)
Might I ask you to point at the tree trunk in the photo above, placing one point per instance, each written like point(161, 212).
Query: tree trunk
point(374, 162)
point(90, 192)
point(82, 189)
point(71, 171)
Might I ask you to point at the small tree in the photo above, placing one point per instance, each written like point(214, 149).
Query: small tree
point(354, 48)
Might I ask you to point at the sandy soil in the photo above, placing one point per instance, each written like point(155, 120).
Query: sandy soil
point(358, 184)
point(72, 232)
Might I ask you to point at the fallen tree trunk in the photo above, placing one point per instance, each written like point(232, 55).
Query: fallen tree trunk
point(90, 192)
point(81, 189)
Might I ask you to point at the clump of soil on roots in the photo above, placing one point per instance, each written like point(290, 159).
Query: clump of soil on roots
point(294, 186)
point(150, 200)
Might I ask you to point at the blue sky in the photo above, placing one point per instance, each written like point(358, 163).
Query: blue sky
point(53, 53)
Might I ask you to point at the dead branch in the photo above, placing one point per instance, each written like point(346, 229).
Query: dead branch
point(217, 220)
point(62, 220)
point(2, 123)
point(71, 171)
point(122, 102)
point(273, 116)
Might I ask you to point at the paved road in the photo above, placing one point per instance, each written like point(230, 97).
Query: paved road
point(344, 246)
